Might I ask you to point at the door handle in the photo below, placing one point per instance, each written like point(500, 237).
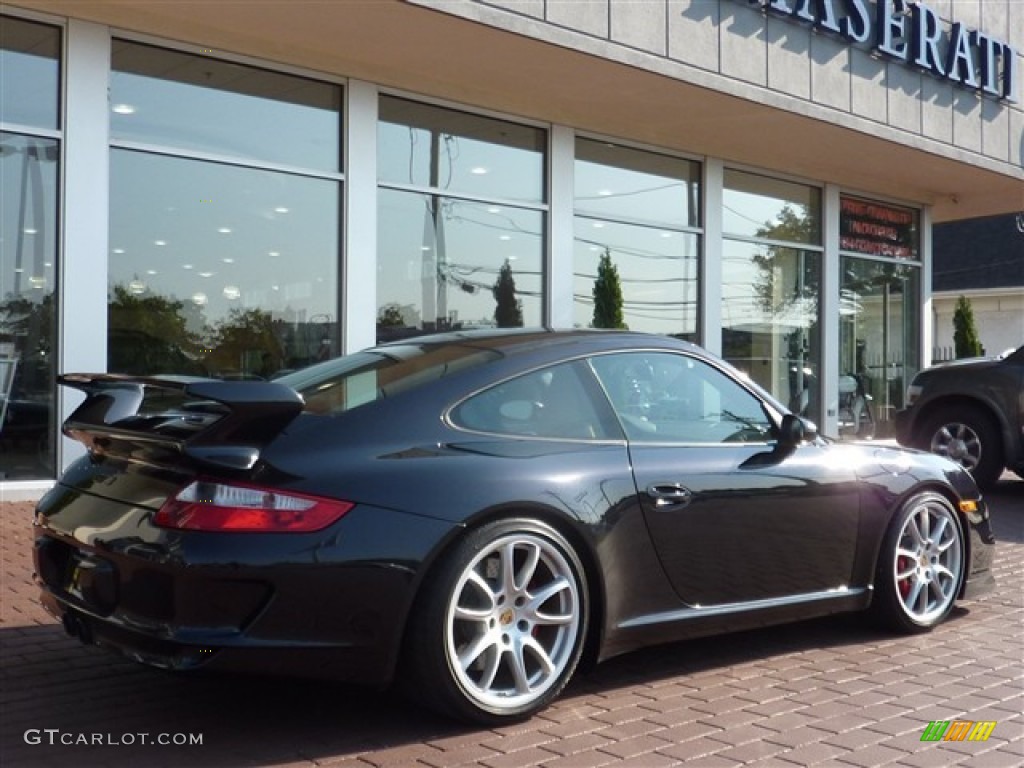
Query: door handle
point(669, 494)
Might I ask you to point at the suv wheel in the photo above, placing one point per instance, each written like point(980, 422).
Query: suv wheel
point(968, 436)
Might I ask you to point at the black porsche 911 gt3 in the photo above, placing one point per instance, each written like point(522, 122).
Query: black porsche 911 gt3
point(470, 513)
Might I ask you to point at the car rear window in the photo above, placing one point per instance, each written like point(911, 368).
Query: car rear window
point(348, 382)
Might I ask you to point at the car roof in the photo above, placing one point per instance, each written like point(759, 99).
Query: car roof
point(512, 341)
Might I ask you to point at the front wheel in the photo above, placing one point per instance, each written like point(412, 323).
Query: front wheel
point(921, 565)
point(969, 437)
point(501, 626)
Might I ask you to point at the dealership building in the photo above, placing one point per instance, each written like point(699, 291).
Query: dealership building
point(234, 189)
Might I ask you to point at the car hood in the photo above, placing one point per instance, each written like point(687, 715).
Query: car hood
point(967, 362)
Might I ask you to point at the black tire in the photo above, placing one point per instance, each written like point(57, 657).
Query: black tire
point(920, 566)
point(968, 436)
point(501, 624)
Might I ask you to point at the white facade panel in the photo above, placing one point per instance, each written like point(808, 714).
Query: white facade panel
point(1017, 142)
point(744, 47)
point(830, 72)
point(587, 16)
point(995, 132)
point(936, 98)
point(533, 8)
point(968, 12)
point(789, 62)
point(639, 24)
point(967, 121)
point(904, 93)
point(693, 32)
point(867, 86)
point(1015, 28)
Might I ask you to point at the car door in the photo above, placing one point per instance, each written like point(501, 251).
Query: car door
point(734, 516)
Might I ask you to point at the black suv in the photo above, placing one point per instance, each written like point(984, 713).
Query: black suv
point(971, 411)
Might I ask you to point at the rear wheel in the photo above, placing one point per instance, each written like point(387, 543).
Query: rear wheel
point(501, 626)
point(968, 436)
point(921, 565)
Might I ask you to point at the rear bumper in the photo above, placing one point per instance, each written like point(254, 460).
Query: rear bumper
point(330, 605)
point(357, 662)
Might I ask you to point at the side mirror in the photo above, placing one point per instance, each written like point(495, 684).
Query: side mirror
point(795, 430)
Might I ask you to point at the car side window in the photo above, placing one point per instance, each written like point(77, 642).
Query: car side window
point(551, 402)
point(674, 398)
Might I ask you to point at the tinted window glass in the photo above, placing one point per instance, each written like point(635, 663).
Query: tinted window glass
point(552, 402)
point(28, 315)
point(340, 385)
point(29, 73)
point(629, 184)
point(426, 146)
point(219, 270)
point(460, 221)
point(664, 397)
point(447, 264)
point(631, 207)
point(763, 207)
point(201, 104)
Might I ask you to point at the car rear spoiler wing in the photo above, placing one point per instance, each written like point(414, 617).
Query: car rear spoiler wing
point(253, 414)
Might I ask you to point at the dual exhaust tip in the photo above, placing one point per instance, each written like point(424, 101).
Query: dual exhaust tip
point(79, 627)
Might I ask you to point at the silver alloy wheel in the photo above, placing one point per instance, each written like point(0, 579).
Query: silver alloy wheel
point(959, 442)
point(512, 621)
point(928, 562)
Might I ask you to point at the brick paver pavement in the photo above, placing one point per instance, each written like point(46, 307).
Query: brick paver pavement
point(831, 692)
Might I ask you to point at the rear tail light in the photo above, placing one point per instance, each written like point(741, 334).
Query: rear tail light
point(212, 506)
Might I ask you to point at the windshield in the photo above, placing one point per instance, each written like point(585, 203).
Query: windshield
point(339, 385)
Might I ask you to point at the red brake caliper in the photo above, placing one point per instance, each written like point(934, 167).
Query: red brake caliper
point(902, 562)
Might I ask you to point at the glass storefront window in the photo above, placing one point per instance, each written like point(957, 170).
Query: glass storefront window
point(429, 147)
point(770, 320)
point(461, 221)
point(614, 182)
point(200, 104)
point(657, 271)
point(219, 270)
point(879, 313)
point(224, 269)
point(636, 215)
point(447, 264)
point(879, 328)
point(29, 73)
point(28, 319)
point(766, 208)
point(771, 287)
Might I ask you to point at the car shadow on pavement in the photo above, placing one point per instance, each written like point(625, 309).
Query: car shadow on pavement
point(1006, 501)
point(63, 704)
